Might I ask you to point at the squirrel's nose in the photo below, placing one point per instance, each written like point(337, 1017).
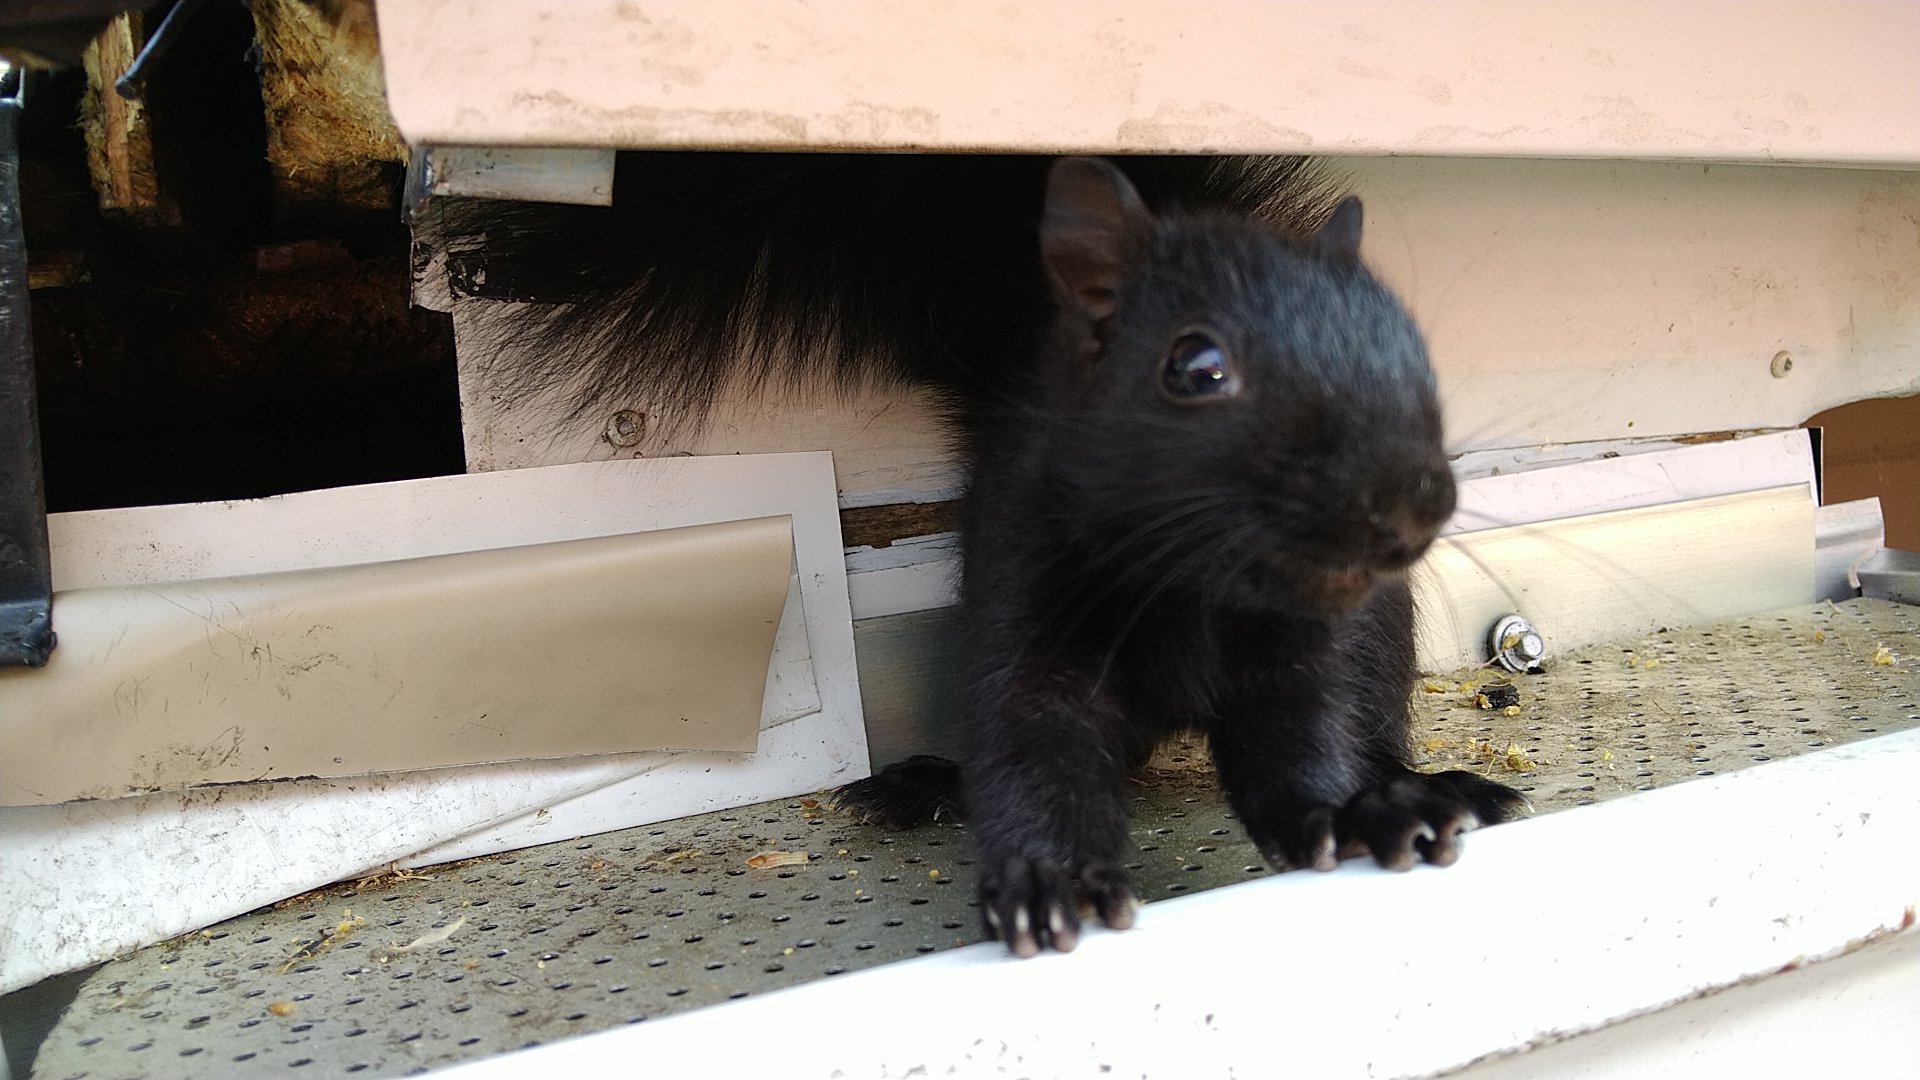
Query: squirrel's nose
point(1400, 537)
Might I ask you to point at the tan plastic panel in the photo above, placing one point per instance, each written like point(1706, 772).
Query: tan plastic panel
point(1725, 80)
point(1599, 577)
point(647, 641)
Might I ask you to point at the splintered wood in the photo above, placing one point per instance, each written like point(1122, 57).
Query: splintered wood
point(118, 135)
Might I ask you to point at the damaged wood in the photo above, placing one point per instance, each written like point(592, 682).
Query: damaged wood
point(880, 526)
point(118, 133)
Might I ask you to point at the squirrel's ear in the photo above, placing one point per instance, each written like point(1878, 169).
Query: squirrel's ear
point(1093, 234)
point(1341, 234)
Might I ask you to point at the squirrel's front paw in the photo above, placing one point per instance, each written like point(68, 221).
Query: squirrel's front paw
point(1297, 839)
point(1034, 903)
point(1418, 817)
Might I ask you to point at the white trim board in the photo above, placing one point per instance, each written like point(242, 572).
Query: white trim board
point(1861, 1004)
point(440, 515)
point(583, 177)
point(1707, 884)
point(80, 882)
point(1572, 301)
point(1633, 480)
point(1507, 460)
point(1759, 80)
point(1580, 580)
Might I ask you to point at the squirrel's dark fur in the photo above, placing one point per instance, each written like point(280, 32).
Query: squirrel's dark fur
point(1203, 446)
point(803, 269)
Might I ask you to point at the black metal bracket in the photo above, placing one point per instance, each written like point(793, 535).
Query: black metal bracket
point(26, 572)
point(132, 83)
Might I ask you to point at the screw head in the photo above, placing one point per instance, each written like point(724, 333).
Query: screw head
point(1516, 645)
point(626, 428)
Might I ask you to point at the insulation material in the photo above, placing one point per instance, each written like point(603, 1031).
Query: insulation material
point(330, 139)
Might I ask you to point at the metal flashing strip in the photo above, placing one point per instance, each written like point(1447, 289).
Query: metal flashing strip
point(583, 177)
point(407, 972)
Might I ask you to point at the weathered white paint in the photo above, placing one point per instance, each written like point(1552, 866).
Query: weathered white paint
point(1570, 301)
point(1760, 80)
point(82, 881)
point(1565, 302)
point(915, 574)
point(889, 446)
point(1546, 928)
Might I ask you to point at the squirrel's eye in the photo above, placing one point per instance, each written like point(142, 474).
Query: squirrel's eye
point(1196, 368)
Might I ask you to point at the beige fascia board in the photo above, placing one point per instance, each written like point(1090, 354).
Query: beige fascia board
point(1718, 80)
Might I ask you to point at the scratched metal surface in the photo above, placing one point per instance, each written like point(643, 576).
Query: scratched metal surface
point(616, 929)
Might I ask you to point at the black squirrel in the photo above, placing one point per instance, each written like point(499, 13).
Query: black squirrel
point(1202, 442)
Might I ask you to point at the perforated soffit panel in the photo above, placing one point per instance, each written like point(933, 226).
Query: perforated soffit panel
point(615, 929)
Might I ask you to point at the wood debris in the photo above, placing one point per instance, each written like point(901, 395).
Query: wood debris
point(329, 937)
point(767, 860)
point(385, 953)
point(393, 874)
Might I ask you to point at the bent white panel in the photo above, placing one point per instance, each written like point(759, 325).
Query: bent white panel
point(1545, 928)
point(81, 882)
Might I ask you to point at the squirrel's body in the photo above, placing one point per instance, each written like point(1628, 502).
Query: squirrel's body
point(1202, 449)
